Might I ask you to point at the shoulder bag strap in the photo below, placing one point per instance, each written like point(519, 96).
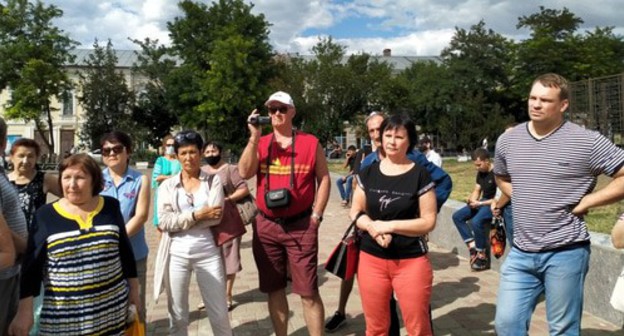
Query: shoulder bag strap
point(292, 163)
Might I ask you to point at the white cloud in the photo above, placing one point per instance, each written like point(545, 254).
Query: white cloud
point(425, 43)
point(422, 27)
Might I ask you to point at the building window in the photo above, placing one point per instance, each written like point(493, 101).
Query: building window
point(68, 103)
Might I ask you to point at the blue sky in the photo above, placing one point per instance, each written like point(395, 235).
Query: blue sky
point(408, 27)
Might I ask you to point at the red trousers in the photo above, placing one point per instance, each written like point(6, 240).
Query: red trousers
point(410, 279)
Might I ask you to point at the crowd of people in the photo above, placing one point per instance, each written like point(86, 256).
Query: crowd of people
point(78, 265)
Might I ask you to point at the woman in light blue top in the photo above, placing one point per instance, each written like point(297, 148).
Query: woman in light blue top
point(131, 189)
point(165, 167)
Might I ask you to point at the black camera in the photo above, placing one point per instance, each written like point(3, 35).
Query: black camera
point(278, 198)
point(260, 120)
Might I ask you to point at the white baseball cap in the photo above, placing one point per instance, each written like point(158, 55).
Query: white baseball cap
point(282, 97)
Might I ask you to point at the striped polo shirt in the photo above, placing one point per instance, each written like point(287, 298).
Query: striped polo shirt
point(549, 177)
point(14, 217)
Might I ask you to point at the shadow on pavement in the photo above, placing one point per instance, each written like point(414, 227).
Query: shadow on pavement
point(445, 293)
point(597, 332)
point(478, 319)
point(441, 261)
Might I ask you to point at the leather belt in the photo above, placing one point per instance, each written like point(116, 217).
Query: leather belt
point(289, 219)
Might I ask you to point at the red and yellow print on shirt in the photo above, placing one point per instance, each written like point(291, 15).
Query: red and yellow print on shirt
point(279, 170)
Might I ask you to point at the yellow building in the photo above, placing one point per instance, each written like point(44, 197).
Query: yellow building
point(68, 115)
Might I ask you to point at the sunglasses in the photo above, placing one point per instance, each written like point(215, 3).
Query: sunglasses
point(190, 199)
point(281, 109)
point(117, 149)
point(183, 137)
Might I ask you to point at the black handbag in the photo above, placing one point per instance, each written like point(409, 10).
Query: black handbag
point(343, 261)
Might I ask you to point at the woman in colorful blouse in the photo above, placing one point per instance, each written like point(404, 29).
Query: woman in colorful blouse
point(79, 249)
point(165, 167)
point(131, 188)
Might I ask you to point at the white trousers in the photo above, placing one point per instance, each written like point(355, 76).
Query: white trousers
point(211, 281)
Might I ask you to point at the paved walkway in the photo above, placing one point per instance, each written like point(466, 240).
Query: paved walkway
point(463, 302)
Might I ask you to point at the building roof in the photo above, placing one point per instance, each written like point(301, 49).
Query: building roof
point(398, 63)
point(127, 58)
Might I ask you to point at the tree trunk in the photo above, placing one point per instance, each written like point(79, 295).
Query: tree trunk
point(49, 143)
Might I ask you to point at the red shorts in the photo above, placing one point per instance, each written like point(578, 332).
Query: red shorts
point(294, 244)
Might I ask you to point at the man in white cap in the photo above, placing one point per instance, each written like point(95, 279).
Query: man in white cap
point(293, 187)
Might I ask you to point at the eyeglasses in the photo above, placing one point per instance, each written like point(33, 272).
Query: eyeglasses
point(281, 109)
point(183, 137)
point(169, 145)
point(117, 149)
point(190, 199)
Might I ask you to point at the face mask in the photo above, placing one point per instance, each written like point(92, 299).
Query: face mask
point(169, 150)
point(212, 160)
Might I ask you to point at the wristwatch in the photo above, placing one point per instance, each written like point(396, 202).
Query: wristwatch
point(319, 218)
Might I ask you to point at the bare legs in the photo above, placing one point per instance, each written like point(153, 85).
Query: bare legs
point(313, 312)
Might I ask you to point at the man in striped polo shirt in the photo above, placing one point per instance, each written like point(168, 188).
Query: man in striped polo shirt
point(551, 165)
point(11, 213)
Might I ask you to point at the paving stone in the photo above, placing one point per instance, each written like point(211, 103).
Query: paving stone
point(463, 302)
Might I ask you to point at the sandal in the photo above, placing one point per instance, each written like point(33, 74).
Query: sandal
point(230, 305)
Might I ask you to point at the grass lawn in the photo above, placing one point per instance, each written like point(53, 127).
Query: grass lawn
point(598, 220)
point(463, 174)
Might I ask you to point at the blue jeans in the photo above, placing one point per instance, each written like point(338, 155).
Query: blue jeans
point(508, 218)
point(560, 275)
point(345, 193)
point(480, 219)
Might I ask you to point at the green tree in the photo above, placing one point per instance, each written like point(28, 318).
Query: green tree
point(428, 90)
point(477, 61)
point(600, 54)
point(226, 65)
point(556, 46)
point(332, 88)
point(33, 53)
point(152, 109)
point(551, 47)
point(105, 97)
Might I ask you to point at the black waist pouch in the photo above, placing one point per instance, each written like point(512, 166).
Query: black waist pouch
point(278, 198)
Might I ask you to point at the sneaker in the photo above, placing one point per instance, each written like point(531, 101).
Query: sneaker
point(473, 256)
point(337, 321)
point(481, 262)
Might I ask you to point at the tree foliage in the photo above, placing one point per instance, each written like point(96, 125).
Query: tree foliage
point(226, 65)
point(153, 110)
point(33, 53)
point(331, 88)
point(106, 97)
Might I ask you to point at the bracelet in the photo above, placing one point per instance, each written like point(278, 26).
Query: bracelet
point(254, 142)
point(193, 216)
point(360, 214)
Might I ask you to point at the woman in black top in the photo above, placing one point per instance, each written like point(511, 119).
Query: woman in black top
point(395, 206)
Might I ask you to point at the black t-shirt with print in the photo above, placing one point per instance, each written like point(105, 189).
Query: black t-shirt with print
point(487, 182)
point(394, 197)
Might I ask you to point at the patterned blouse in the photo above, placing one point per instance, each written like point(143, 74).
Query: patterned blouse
point(31, 197)
point(84, 267)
